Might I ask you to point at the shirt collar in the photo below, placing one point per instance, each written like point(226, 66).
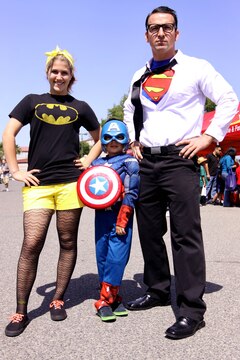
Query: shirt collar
point(177, 56)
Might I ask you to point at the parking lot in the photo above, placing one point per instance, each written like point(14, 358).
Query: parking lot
point(140, 335)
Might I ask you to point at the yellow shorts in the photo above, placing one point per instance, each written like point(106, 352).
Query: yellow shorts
point(55, 197)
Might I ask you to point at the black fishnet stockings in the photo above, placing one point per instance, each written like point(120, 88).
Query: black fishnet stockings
point(67, 226)
point(36, 223)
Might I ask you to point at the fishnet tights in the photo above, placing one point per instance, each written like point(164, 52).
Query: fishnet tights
point(36, 223)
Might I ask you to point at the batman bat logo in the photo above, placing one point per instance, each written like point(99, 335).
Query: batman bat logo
point(56, 114)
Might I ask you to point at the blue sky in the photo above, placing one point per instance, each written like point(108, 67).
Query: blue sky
point(107, 41)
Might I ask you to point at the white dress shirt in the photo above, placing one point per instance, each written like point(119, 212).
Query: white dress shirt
point(179, 114)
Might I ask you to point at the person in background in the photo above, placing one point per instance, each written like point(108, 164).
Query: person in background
point(227, 164)
point(218, 197)
point(113, 226)
point(164, 115)
point(202, 162)
point(5, 175)
point(238, 181)
point(54, 166)
point(212, 173)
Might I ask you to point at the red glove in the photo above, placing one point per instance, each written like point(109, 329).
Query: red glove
point(123, 216)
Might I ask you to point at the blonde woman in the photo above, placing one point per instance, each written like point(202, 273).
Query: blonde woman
point(55, 120)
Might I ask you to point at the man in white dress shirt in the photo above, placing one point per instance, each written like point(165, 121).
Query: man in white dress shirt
point(164, 115)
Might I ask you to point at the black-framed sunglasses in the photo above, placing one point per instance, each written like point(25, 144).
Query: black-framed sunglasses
point(154, 28)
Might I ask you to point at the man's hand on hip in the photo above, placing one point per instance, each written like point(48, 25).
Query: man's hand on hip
point(194, 145)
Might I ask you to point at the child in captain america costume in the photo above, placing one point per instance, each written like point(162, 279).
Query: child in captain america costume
point(113, 226)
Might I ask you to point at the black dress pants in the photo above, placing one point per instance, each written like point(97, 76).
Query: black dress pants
point(171, 181)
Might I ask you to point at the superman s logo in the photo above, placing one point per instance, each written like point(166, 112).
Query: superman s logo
point(56, 114)
point(156, 85)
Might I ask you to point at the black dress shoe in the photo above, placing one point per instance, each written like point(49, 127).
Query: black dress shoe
point(146, 302)
point(184, 327)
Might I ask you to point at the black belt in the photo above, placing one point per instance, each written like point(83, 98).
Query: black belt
point(162, 150)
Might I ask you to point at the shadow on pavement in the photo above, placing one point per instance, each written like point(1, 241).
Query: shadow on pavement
point(87, 287)
point(79, 289)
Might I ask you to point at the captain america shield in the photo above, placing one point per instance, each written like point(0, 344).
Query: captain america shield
point(99, 187)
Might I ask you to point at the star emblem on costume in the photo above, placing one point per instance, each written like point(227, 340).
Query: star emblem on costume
point(107, 164)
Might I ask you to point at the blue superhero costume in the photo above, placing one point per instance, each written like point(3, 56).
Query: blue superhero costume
point(112, 250)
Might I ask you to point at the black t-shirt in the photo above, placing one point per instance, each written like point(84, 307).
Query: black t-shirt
point(55, 123)
point(212, 164)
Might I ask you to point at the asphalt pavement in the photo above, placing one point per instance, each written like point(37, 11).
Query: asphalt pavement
point(140, 335)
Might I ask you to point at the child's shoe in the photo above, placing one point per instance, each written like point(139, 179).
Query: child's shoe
point(119, 309)
point(17, 325)
point(106, 314)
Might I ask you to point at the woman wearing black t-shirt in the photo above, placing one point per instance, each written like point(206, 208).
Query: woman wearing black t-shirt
point(55, 119)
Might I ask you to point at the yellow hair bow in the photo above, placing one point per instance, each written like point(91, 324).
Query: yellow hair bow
point(58, 51)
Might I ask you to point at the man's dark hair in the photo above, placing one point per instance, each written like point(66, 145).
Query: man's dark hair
point(163, 10)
